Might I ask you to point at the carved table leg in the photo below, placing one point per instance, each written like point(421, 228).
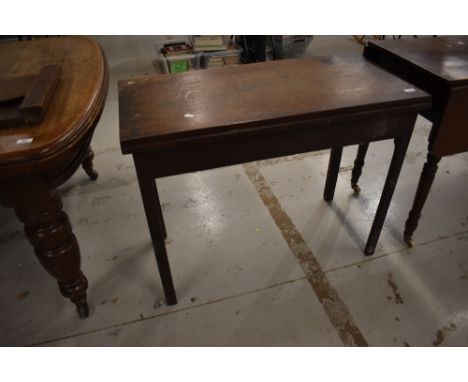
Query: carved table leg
point(424, 186)
point(358, 164)
point(88, 164)
point(332, 173)
point(49, 231)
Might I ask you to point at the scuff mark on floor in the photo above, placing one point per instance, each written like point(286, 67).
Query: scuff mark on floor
point(157, 303)
point(189, 202)
point(100, 200)
point(345, 168)
point(442, 334)
point(396, 294)
point(108, 150)
point(21, 296)
point(82, 222)
point(270, 162)
point(462, 267)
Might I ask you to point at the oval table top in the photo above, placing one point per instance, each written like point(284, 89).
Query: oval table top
point(75, 106)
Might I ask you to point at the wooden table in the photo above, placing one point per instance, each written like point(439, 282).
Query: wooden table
point(174, 124)
point(35, 160)
point(440, 67)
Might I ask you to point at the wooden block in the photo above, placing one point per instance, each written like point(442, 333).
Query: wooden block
point(14, 88)
point(37, 100)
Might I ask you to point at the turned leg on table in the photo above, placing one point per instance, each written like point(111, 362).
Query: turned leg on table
point(424, 186)
point(49, 232)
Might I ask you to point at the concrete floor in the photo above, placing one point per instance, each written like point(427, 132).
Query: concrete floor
point(243, 275)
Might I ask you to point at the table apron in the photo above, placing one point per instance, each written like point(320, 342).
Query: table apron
point(235, 150)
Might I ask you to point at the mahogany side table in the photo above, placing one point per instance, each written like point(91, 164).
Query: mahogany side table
point(440, 67)
point(35, 160)
point(174, 124)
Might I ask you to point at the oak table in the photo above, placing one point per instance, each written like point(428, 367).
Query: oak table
point(35, 160)
point(174, 124)
point(440, 67)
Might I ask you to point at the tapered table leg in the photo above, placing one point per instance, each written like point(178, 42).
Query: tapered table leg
point(49, 231)
point(424, 186)
point(157, 229)
point(358, 164)
point(332, 173)
point(401, 145)
point(88, 164)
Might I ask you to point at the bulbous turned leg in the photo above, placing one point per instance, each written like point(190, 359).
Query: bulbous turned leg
point(49, 232)
point(424, 186)
point(88, 164)
point(357, 169)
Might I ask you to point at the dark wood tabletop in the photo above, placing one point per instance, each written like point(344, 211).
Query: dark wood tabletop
point(166, 109)
point(440, 67)
point(75, 103)
point(443, 58)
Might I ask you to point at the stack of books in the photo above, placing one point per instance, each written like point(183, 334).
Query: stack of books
point(176, 49)
point(215, 61)
point(231, 59)
point(208, 43)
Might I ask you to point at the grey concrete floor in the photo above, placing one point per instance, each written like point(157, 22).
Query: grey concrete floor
point(240, 278)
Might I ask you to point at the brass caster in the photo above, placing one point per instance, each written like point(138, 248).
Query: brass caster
point(409, 242)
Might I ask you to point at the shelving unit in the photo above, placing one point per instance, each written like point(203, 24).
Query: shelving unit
point(206, 55)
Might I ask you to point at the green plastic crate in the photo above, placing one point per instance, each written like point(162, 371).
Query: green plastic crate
point(178, 66)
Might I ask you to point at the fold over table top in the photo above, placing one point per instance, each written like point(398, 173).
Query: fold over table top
point(163, 109)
